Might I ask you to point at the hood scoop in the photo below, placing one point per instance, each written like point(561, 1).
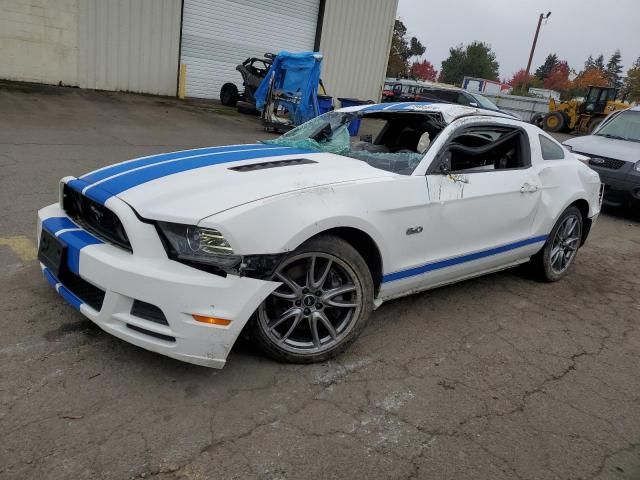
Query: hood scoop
point(278, 163)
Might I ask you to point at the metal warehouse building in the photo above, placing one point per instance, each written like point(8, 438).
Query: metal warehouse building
point(138, 45)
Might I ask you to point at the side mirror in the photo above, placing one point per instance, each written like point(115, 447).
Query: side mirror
point(473, 104)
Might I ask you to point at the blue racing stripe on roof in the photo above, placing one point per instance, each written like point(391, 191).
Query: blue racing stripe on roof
point(75, 241)
point(116, 185)
point(394, 107)
point(429, 267)
point(55, 224)
point(107, 172)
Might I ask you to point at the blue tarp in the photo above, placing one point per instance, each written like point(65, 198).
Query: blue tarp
point(294, 79)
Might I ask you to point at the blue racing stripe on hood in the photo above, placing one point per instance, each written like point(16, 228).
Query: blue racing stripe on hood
point(107, 172)
point(113, 186)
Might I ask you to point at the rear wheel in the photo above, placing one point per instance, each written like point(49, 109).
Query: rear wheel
point(554, 122)
point(537, 120)
point(553, 261)
point(229, 95)
point(323, 304)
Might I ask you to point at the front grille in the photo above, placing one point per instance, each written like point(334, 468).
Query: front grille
point(94, 217)
point(149, 312)
point(604, 162)
point(85, 291)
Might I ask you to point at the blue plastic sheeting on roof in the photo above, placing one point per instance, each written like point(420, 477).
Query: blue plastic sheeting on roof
point(293, 79)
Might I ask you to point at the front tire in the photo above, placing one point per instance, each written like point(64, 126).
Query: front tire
point(554, 122)
point(322, 306)
point(559, 252)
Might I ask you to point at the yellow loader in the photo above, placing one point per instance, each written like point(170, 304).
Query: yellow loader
point(582, 116)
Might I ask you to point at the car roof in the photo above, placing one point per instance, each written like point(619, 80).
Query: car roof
point(449, 111)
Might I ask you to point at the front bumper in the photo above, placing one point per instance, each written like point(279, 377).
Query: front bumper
point(147, 275)
point(620, 186)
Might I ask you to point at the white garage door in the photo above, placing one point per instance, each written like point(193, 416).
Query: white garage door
point(217, 35)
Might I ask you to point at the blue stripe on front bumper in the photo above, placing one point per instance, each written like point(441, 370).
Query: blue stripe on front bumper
point(74, 301)
point(75, 240)
point(51, 279)
point(429, 267)
point(63, 291)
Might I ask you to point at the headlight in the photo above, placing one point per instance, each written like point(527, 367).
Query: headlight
point(636, 167)
point(194, 244)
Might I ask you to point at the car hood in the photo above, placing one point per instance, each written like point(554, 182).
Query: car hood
point(185, 187)
point(596, 145)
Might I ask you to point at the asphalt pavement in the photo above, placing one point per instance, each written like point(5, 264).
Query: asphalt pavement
point(500, 377)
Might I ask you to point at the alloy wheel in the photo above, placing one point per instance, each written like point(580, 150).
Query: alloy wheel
point(315, 307)
point(565, 244)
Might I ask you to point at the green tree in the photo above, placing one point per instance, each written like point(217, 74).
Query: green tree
point(402, 50)
point(631, 84)
point(474, 60)
point(549, 64)
point(416, 49)
point(599, 63)
point(614, 70)
point(590, 63)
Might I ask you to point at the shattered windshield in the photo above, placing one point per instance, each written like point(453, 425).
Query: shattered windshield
point(392, 141)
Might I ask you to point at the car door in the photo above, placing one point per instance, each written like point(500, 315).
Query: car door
point(480, 218)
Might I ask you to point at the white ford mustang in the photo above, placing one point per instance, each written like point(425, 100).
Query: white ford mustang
point(299, 238)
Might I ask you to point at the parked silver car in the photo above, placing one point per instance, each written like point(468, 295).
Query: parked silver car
point(614, 152)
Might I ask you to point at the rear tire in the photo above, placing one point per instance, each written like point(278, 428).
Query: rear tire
point(559, 252)
point(537, 120)
point(313, 317)
point(229, 95)
point(554, 122)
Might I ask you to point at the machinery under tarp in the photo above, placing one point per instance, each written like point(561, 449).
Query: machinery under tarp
point(288, 95)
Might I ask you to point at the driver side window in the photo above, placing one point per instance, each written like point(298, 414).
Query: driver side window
point(484, 149)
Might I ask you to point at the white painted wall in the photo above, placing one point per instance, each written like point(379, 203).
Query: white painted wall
point(356, 38)
point(38, 41)
point(129, 45)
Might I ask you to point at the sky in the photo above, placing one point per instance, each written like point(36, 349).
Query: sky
point(575, 29)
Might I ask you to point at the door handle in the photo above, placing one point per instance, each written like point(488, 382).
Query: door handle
point(528, 188)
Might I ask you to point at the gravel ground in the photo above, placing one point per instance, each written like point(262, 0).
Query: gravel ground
point(496, 378)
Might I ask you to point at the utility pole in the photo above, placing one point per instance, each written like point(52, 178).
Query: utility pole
point(535, 40)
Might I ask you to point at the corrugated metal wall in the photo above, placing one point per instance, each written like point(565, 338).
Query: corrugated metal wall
point(356, 37)
point(217, 35)
point(129, 45)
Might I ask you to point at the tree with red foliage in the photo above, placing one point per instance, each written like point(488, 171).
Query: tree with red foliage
point(424, 70)
point(558, 78)
point(520, 79)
